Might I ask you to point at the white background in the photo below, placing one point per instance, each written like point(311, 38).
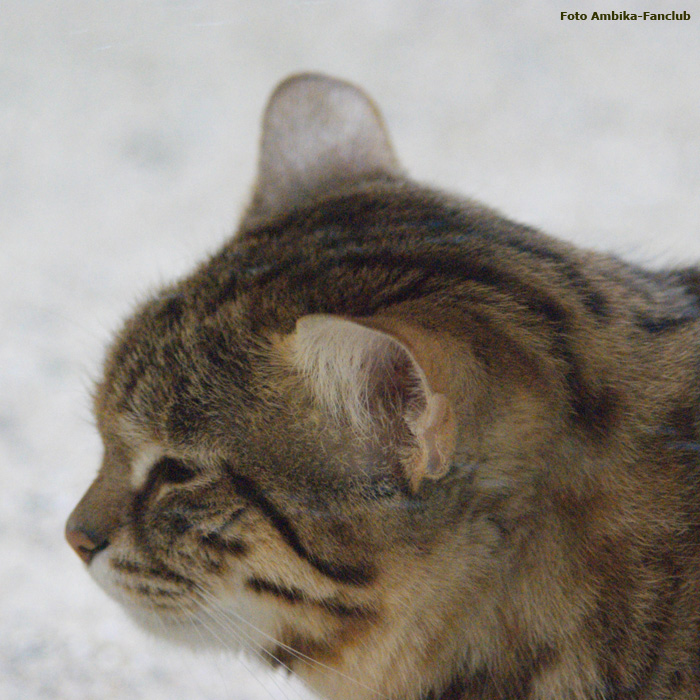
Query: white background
point(128, 131)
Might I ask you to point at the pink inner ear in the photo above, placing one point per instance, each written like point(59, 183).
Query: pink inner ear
point(432, 423)
point(434, 432)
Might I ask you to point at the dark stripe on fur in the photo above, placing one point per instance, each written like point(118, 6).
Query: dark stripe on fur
point(408, 221)
point(436, 271)
point(489, 684)
point(297, 648)
point(689, 277)
point(169, 309)
point(661, 325)
point(235, 547)
point(158, 573)
point(351, 574)
point(152, 592)
point(414, 218)
point(593, 410)
point(296, 596)
point(593, 300)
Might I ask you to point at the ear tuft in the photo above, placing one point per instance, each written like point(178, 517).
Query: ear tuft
point(340, 358)
point(363, 375)
point(318, 133)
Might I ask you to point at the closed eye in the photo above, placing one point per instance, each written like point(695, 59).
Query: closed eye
point(169, 470)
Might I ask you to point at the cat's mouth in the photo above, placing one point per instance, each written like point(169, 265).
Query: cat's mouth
point(172, 614)
point(142, 587)
point(178, 609)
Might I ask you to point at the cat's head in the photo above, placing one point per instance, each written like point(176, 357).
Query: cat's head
point(278, 467)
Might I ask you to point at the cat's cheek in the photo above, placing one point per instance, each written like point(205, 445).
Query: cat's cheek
point(243, 617)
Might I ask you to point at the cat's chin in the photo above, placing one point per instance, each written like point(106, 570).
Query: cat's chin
point(181, 630)
point(211, 624)
point(201, 632)
point(182, 623)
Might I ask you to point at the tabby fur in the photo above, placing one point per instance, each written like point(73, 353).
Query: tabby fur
point(404, 446)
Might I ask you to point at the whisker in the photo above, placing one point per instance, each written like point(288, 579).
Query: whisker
point(177, 621)
point(222, 675)
point(234, 617)
point(247, 643)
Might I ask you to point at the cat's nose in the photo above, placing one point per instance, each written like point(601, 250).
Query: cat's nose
point(96, 519)
point(86, 545)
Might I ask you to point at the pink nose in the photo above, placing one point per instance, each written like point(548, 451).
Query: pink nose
point(84, 545)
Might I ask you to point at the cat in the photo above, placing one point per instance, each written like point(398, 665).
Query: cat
point(403, 446)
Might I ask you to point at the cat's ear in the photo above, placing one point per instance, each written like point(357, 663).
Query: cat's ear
point(318, 133)
point(365, 374)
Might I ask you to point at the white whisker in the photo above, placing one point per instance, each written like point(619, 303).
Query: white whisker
point(246, 642)
point(233, 617)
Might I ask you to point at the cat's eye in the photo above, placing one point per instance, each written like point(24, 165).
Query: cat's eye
point(169, 470)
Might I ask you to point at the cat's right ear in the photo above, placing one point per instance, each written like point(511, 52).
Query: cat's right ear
point(318, 133)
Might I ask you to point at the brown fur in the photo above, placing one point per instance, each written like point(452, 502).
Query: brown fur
point(516, 517)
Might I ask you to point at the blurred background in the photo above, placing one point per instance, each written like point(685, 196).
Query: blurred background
point(128, 132)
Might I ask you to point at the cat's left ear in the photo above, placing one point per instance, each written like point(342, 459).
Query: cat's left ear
point(366, 372)
point(318, 133)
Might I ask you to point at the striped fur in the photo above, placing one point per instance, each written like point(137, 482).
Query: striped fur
point(405, 446)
